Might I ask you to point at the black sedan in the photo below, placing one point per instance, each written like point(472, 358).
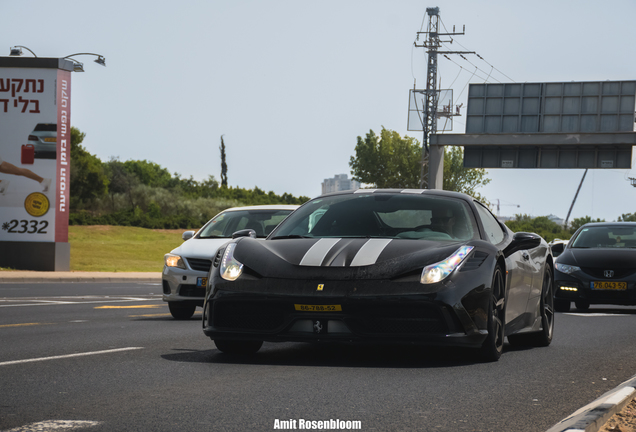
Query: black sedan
point(383, 266)
point(598, 266)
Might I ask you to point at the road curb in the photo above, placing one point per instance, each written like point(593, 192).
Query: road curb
point(593, 416)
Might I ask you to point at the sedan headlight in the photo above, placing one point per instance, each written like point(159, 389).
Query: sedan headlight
point(439, 271)
point(173, 260)
point(230, 268)
point(567, 269)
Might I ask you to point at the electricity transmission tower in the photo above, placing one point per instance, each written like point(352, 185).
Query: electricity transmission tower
point(433, 42)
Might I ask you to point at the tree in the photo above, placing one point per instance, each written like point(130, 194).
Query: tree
point(387, 161)
point(460, 179)
point(391, 161)
point(88, 177)
point(579, 222)
point(223, 164)
point(541, 225)
point(627, 217)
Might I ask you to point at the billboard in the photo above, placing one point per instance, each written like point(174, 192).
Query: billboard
point(34, 152)
point(444, 114)
point(555, 107)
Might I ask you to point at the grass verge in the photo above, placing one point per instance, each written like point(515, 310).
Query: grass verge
point(120, 249)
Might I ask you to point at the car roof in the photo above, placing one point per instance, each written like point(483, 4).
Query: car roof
point(263, 207)
point(403, 191)
point(607, 224)
point(430, 192)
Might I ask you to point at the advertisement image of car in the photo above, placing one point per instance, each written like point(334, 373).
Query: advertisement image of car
point(186, 268)
point(44, 140)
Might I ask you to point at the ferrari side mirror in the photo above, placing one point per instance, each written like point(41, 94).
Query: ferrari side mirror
point(522, 241)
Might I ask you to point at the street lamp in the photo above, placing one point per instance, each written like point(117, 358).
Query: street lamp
point(100, 58)
point(17, 50)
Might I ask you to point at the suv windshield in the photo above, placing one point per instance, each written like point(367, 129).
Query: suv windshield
point(606, 237)
point(225, 224)
point(406, 216)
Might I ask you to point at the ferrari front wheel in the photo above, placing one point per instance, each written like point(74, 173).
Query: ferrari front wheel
point(493, 345)
point(240, 347)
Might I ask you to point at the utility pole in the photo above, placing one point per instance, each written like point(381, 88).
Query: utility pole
point(433, 168)
point(567, 218)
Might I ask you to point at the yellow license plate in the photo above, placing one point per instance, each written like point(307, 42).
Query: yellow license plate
point(202, 281)
point(50, 139)
point(617, 286)
point(318, 308)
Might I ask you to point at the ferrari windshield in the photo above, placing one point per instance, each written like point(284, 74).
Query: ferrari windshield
point(383, 215)
point(615, 236)
point(225, 224)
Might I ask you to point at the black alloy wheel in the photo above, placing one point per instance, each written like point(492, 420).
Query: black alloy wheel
point(493, 345)
point(238, 347)
point(181, 310)
point(541, 338)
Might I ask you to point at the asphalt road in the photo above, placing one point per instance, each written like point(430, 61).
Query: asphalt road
point(111, 355)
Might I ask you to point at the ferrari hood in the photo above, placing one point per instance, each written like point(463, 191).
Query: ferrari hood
point(357, 257)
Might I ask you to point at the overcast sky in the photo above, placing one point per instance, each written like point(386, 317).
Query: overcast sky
point(291, 84)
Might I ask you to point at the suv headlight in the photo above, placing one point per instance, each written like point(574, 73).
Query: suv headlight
point(173, 260)
point(439, 271)
point(567, 269)
point(230, 268)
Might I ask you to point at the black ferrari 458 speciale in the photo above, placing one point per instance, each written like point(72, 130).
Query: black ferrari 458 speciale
point(383, 266)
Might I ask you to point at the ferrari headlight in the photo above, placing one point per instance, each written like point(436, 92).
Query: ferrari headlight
point(567, 269)
point(230, 268)
point(172, 260)
point(439, 271)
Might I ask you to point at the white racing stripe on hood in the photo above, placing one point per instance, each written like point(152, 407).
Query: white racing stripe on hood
point(317, 253)
point(369, 252)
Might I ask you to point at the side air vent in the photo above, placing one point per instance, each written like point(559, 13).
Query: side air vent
point(474, 261)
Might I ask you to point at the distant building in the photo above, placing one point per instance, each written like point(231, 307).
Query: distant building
point(339, 183)
point(556, 219)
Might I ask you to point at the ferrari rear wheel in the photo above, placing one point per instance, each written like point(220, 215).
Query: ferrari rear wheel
point(181, 310)
point(493, 345)
point(241, 347)
point(544, 337)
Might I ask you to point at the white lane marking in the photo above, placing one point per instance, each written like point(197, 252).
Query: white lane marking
point(69, 356)
point(594, 314)
point(369, 252)
point(49, 425)
point(318, 251)
point(78, 302)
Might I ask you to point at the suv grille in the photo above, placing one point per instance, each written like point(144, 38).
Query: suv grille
point(199, 264)
point(600, 273)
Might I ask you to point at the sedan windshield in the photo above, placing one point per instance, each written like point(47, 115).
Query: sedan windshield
point(384, 215)
point(225, 224)
point(606, 237)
